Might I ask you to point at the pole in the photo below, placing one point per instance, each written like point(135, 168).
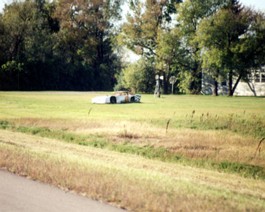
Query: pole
point(157, 88)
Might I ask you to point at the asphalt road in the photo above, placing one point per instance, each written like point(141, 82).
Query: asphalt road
point(19, 194)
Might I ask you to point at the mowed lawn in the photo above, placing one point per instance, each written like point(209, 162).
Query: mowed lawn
point(177, 152)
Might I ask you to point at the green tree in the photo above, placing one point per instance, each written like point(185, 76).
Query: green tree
point(146, 22)
point(15, 23)
point(2, 40)
point(190, 14)
point(62, 45)
point(250, 51)
point(86, 38)
point(27, 41)
point(230, 41)
point(137, 77)
point(170, 55)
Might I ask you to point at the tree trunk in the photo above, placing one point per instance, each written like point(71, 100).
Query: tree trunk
point(237, 81)
point(230, 83)
point(215, 91)
point(165, 83)
point(252, 88)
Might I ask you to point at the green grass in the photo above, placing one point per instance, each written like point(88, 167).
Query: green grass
point(199, 112)
point(77, 105)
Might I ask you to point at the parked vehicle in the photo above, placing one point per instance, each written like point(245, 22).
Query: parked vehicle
point(117, 98)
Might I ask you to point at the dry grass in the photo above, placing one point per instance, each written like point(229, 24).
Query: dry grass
point(132, 182)
point(205, 144)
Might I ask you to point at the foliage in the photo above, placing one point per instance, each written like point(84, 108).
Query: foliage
point(191, 13)
point(184, 82)
point(143, 31)
point(140, 32)
point(169, 55)
point(228, 42)
point(137, 77)
point(66, 45)
point(62, 45)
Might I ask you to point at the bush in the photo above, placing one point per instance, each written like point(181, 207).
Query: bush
point(137, 77)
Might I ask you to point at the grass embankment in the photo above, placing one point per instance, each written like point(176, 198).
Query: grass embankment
point(148, 151)
point(128, 181)
point(193, 137)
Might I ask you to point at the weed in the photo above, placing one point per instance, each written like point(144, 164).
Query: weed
point(89, 111)
point(251, 125)
point(4, 124)
point(259, 147)
point(244, 170)
point(167, 124)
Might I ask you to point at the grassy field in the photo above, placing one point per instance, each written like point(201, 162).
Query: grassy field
point(173, 153)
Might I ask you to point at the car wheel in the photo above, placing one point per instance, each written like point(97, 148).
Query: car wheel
point(113, 100)
point(132, 99)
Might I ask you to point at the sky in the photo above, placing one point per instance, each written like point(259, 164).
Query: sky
point(256, 4)
point(3, 2)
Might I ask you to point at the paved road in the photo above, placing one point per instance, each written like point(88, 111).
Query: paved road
point(18, 194)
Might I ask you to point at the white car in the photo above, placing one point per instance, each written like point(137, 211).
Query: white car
point(119, 97)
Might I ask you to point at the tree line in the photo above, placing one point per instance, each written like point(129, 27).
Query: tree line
point(220, 38)
point(60, 45)
point(77, 45)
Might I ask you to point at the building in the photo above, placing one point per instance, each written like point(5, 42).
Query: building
point(254, 87)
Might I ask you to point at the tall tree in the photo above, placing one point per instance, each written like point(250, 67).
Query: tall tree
point(85, 37)
point(190, 14)
point(16, 22)
point(59, 45)
point(170, 54)
point(230, 41)
point(146, 20)
point(2, 40)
